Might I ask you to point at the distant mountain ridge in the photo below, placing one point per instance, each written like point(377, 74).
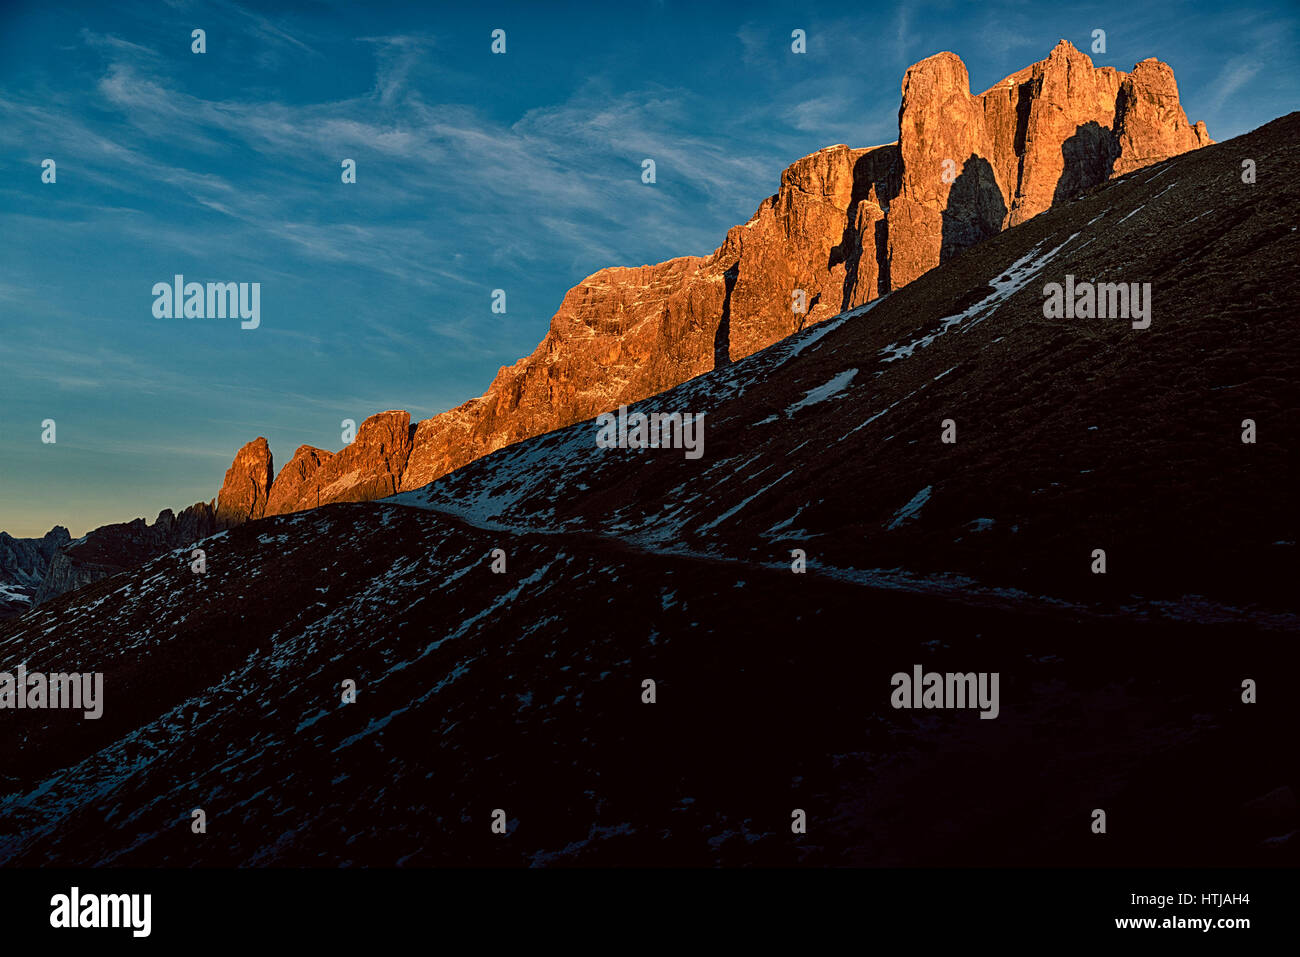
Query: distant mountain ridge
point(115, 548)
point(845, 227)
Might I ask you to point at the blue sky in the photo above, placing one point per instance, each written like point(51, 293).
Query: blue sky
point(475, 172)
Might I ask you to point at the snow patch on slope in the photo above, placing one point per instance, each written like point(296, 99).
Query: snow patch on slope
point(823, 392)
point(1008, 284)
point(912, 509)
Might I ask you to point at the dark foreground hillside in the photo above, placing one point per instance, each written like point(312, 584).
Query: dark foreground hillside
point(523, 690)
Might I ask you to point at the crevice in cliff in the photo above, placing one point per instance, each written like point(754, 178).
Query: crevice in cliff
point(882, 256)
point(722, 338)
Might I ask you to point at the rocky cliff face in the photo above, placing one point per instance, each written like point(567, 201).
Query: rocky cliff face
point(297, 485)
point(24, 563)
point(1149, 121)
point(846, 226)
point(110, 549)
point(244, 493)
point(974, 165)
point(368, 468)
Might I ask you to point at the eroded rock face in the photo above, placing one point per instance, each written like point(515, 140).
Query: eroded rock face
point(626, 333)
point(1149, 121)
point(1038, 137)
point(111, 549)
point(1054, 134)
point(297, 487)
point(244, 493)
point(805, 238)
point(370, 467)
point(24, 561)
point(948, 187)
point(846, 226)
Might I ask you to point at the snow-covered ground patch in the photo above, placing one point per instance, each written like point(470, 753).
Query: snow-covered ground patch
point(912, 509)
point(14, 593)
point(823, 392)
point(1010, 282)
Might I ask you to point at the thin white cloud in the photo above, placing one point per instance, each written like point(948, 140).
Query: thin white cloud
point(1236, 73)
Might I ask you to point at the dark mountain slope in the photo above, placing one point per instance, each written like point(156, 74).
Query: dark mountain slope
point(522, 692)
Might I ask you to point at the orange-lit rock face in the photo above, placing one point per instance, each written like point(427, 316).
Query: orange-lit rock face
point(297, 486)
point(246, 487)
point(1038, 137)
point(369, 467)
point(845, 226)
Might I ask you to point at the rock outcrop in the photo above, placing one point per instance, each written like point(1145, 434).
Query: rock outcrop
point(24, 563)
point(296, 486)
point(974, 165)
point(626, 333)
point(370, 467)
point(1149, 121)
point(247, 486)
point(846, 226)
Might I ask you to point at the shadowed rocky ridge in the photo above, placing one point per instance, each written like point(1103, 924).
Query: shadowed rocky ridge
point(110, 549)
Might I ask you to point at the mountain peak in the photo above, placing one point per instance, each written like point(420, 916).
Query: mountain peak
point(247, 484)
point(846, 225)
